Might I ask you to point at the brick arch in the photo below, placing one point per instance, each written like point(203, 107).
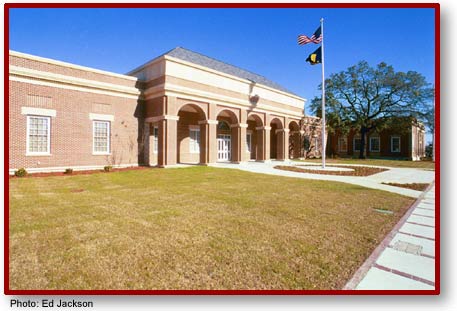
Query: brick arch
point(200, 108)
point(293, 125)
point(256, 117)
point(278, 122)
point(228, 113)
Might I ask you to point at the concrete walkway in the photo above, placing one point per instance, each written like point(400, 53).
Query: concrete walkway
point(406, 258)
point(397, 175)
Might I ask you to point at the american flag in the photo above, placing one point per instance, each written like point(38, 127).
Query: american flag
point(315, 38)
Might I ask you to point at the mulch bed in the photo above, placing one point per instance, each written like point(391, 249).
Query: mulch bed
point(414, 186)
point(357, 170)
point(86, 172)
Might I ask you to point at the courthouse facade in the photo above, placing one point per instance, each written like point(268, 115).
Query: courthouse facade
point(181, 107)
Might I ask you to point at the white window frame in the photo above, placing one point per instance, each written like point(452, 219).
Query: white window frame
point(248, 141)
point(194, 144)
point(379, 144)
point(392, 144)
point(353, 143)
point(345, 139)
point(108, 144)
point(155, 139)
point(48, 147)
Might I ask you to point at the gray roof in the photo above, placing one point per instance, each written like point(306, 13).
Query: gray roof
point(202, 60)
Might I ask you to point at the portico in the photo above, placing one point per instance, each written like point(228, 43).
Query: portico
point(197, 114)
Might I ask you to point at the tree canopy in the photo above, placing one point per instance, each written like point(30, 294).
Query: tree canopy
point(367, 98)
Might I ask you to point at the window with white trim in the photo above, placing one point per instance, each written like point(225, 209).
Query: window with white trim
point(101, 137)
point(194, 135)
point(38, 135)
point(395, 143)
point(248, 142)
point(343, 144)
point(357, 142)
point(375, 144)
point(155, 139)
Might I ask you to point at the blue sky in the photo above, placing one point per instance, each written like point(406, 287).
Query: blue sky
point(259, 40)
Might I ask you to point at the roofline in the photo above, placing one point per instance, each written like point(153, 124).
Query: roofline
point(70, 65)
point(165, 56)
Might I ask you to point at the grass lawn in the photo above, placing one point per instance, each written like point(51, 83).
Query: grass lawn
point(429, 165)
point(192, 228)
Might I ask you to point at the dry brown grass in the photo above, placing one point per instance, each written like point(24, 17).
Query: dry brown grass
point(192, 228)
point(356, 170)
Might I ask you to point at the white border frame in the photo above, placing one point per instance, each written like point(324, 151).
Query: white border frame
point(27, 142)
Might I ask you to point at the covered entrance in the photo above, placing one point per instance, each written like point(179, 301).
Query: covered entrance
point(224, 148)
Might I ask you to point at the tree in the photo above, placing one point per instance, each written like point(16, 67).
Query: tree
point(367, 98)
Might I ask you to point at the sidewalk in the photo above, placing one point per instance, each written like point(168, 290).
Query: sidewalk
point(406, 257)
point(400, 175)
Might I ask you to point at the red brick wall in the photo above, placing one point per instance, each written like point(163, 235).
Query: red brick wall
point(71, 129)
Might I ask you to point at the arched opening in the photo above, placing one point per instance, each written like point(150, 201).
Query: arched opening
point(226, 136)
point(254, 137)
point(276, 140)
point(295, 142)
point(189, 146)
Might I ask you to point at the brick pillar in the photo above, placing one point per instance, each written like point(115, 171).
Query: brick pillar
point(286, 144)
point(239, 151)
point(208, 142)
point(282, 149)
point(302, 144)
point(168, 126)
point(263, 143)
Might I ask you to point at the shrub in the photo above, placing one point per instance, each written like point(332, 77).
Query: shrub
point(68, 171)
point(108, 168)
point(21, 172)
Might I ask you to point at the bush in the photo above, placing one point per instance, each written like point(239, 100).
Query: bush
point(22, 172)
point(68, 171)
point(108, 168)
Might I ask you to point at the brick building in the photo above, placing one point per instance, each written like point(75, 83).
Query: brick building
point(181, 107)
point(405, 140)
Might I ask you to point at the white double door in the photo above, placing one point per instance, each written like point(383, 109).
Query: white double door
point(224, 147)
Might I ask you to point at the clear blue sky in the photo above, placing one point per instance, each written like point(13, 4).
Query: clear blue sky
point(259, 40)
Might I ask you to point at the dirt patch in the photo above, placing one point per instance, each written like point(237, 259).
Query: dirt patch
point(86, 172)
point(414, 186)
point(357, 170)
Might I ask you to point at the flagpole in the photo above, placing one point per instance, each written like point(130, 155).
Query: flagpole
point(323, 96)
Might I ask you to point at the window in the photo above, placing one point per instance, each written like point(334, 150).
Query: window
point(155, 139)
point(343, 144)
point(194, 136)
point(248, 141)
point(357, 143)
point(101, 137)
point(316, 143)
point(38, 135)
point(395, 144)
point(374, 144)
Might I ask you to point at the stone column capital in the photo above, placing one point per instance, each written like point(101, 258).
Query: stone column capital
point(243, 125)
point(263, 128)
point(160, 118)
point(208, 122)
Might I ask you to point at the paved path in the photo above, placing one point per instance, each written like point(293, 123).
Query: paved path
point(397, 175)
point(406, 257)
